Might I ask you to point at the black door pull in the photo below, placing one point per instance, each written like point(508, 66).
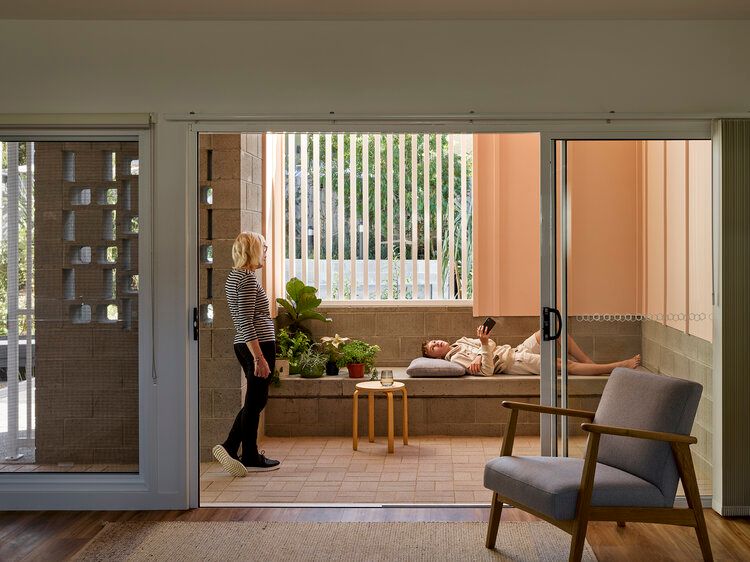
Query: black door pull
point(548, 311)
point(195, 324)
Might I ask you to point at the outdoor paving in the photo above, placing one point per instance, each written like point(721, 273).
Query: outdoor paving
point(326, 470)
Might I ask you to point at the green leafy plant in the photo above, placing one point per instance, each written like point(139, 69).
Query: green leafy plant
point(301, 303)
point(357, 351)
point(312, 364)
point(291, 347)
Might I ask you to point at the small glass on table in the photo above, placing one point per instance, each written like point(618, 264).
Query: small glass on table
point(386, 377)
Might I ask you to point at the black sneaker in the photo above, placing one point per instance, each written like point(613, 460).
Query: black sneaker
point(262, 464)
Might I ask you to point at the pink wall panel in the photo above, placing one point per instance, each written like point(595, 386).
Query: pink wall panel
point(506, 224)
point(676, 228)
point(640, 228)
point(604, 254)
point(700, 276)
point(654, 239)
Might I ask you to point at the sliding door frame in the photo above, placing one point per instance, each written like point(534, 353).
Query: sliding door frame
point(670, 130)
point(88, 490)
point(550, 130)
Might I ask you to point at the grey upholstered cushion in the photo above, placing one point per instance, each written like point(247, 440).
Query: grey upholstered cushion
point(428, 367)
point(550, 485)
point(641, 400)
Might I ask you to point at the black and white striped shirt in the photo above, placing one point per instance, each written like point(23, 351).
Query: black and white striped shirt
point(248, 305)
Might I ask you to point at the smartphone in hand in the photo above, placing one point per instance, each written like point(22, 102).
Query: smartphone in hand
point(488, 324)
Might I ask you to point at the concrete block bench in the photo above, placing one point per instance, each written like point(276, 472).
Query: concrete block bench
point(466, 405)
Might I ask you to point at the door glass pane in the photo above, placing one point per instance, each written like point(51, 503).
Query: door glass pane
point(69, 306)
point(639, 271)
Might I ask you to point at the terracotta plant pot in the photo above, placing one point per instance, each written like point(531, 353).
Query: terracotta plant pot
point(356, 370)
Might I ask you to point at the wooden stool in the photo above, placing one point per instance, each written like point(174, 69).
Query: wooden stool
point(372, 388)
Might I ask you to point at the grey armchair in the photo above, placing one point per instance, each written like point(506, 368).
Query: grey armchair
point(638, 450)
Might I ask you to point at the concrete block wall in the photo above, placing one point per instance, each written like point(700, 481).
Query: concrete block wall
point(675, 353)
point(428, 415)
point(455, 406)
point(231, 169)
point(86, 365)
point(400, 330)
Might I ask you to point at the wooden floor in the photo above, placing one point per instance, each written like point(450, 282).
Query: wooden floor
point(51, 536)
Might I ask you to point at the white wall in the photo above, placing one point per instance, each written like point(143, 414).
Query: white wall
point(389, 67)
point(375, 67)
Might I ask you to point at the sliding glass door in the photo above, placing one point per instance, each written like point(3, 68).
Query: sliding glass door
point(631, 229)
point(72, 363)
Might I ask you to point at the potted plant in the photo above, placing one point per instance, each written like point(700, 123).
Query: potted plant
point(312, 364)
point(291, 347)
point(300, 304)
point(331, 346)
point(359, 358)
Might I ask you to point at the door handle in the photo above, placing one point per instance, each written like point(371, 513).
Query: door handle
point(196, 324)
point(548, 311)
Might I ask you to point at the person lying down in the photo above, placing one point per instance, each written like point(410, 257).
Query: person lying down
point(482, 356)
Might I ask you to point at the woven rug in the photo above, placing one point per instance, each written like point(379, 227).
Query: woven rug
point(271, 541)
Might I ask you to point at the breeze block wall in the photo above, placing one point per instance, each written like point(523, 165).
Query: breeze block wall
point(86, 288)
point(231, 201)
point(672, 352)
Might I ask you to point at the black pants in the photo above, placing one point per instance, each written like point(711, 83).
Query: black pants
point(245, 428)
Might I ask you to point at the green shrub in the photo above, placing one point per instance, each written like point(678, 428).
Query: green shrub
point(357, 351)
point(301, 303)
point(291, 347)
point(312, 364)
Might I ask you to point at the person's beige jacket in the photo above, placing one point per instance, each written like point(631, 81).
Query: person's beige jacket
point(495, 358)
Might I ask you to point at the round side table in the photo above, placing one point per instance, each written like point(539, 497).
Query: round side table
point(371, 388)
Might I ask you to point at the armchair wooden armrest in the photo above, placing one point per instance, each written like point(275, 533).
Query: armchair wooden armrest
point(638, 433)
point(548, 410)
point(515, 407)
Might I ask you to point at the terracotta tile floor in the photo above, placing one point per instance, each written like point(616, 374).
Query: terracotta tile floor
point(326, 470)
point(322, 470)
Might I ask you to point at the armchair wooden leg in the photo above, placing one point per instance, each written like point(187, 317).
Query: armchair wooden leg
point(583, 504)
point(692, 495)
point(496, 511)
point(578, 540)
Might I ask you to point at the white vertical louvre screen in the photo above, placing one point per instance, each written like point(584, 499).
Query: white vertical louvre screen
point(303, 215)
point(291, 157)
point(316, 209)
point(414, 218)
point(464, 220)
point(379, 217)
point(329, 214)
point(378, 249)
point(402, 214)
point(338, 289)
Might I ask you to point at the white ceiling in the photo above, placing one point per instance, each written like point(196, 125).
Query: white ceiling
point(373, 9)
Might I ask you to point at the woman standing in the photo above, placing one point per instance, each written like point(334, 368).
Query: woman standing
point(255, 347)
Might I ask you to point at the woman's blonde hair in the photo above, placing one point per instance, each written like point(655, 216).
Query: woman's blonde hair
point(247, 250)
